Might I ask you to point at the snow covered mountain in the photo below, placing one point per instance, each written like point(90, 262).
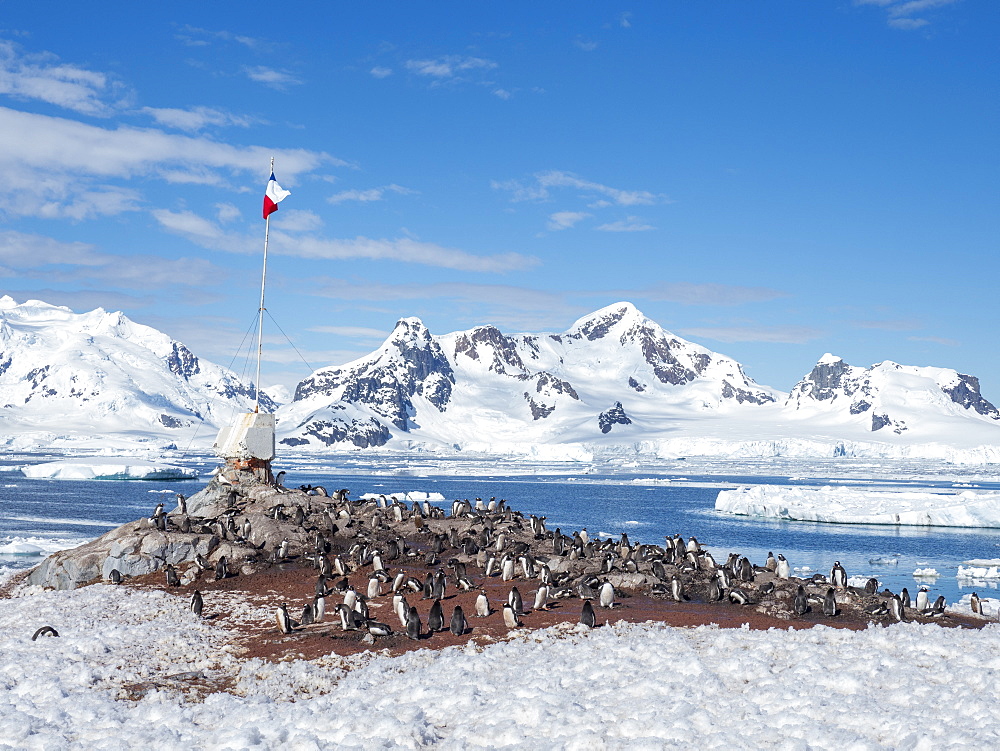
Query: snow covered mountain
point(615, 383)
point(66, 377)
point(614, 376)
point(888, 396)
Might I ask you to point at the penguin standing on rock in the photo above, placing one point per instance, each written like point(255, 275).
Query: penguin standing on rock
point(830, 603)
point(587, 616)
point(435, 619)
point(197, 603)
point(482, 605)
point(413, 624)
point(800, 605)
point(838, 576)
point(607, 596)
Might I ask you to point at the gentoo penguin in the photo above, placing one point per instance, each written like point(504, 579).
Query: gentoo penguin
point(871, 586)
point(319, 608)
point(378, 629)
point(435, 619)
point(677, 589)
point(348, 618)
point(510, 617)
point(584, 536)
point(937, 609)
point(739, 596)
point(482, 605)
point(116, 576)
point(172, 579)
point(896, 609)
point(402, 609)
point(921, 603)
point(771, 564)
point(801, 603)
point(781, 568)
point(45, 631)
point(284, 621)
point(904, 598)
point(278, 478)
point(766, 588)
point(374, 588)
point(975, 604)
point(714, 590)
point(398, 581)
point(197, 603)
point(458, 624)
point(439, 585)
point(350, 598)
point(541, 598)
point(515, 601)
point(308, 615)
point(607, 596)
point(202, 562)
point(838, 576)
point(413, 623)
point(507, 568)
point(587, 617)
point(221, 568)
point(830, 603)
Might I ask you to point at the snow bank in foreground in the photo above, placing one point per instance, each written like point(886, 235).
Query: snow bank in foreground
point(106, 470)
point(860, 506)
point(646, 686)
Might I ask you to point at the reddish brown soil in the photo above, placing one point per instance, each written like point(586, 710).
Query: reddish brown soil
point(293, 584)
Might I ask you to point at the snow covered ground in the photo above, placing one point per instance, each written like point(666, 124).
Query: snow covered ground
point(862, 506)
point(636, 686)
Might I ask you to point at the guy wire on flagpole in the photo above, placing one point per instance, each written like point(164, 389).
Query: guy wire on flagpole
point(260, 311)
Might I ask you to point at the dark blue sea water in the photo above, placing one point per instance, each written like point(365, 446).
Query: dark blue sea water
point(52, 514)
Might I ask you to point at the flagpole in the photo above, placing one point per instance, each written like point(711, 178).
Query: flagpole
point(260, 311)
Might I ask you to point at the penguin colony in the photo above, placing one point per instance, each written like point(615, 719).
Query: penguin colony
point(366, 558)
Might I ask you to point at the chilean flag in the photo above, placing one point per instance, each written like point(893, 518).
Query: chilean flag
point(274, 195)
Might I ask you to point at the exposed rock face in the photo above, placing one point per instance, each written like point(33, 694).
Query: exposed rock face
point(965, 393)
point(878, 395)
point(611, 417)
point(410, 363)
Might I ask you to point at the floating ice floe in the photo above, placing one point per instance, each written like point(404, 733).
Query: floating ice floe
point(979, 572)
point(890, 561)
point(851, 505)
point(926, 573)
point(106, 469)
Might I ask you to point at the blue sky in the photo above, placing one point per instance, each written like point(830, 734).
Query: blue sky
point(773, 180)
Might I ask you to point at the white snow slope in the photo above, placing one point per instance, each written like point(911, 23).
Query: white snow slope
point(96, 379)
point(619, 686)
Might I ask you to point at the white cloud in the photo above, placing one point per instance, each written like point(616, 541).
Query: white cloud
point(380, 71)
point(565, 219)
point(40, 257)
point(43, 77)
point(586, 46)
point(368, 195)
point(204, 233)
point(275, 79)
point(900, 13)
point(545, 181)
point(296, 220)
point(771, 334)
point(227, 212)
point(196, 37)
point(502, 94)
point(625, 20)
point(351, 332)
point(629, 224)
point(449, 66)
point(63, 167)
point(195, 118)
point(688, 293)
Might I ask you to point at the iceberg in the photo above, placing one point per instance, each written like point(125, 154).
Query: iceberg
point(106, 469)
point(846, 505)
